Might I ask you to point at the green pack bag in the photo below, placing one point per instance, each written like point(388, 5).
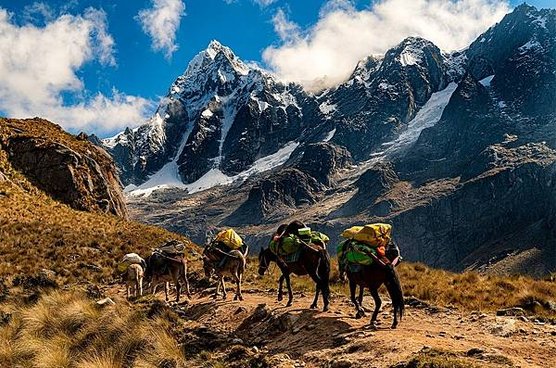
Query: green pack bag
point(355, 253)
point(285, 246)
point(319, 238)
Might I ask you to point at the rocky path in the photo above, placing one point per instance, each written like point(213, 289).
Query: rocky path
point(300, 337)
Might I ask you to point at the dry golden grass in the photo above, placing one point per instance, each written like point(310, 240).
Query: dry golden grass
point(467, 291)
point(38, 232)
point(66, 329)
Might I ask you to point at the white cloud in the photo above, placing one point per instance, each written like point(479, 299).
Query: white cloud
point(326, 53)
point(288, 31)
point(263, 3)
point(39, 66)
point(161, 22)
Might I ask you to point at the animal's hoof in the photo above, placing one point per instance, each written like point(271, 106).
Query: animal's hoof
point(359, 314)
point(289, 304)
point(326, 308)
point(313, 306)
point(280, 298)
point(394, 325)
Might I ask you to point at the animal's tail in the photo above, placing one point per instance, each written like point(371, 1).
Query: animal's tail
point(394, 288)
point(324, 270)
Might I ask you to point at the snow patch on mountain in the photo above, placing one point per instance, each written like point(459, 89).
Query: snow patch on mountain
point(330, 135)
point(327, 108)
point(426, 117)
point(168, 177)
point(487, 81)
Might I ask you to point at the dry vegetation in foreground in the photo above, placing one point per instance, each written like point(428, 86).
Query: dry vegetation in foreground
point(66, 329)
point(468, 291)
point(38, 232)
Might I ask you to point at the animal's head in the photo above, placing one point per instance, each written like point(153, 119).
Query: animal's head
point(264, 261)
point(293, 227)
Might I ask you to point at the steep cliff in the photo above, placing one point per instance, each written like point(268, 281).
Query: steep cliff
point(70, 169)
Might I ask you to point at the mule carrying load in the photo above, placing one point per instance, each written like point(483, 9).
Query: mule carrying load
point(298, 250)
point(128, 260)
point(368, 257)
point(226, 255)
point(168, 262)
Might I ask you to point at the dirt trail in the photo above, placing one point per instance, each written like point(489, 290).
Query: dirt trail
point(300, 337)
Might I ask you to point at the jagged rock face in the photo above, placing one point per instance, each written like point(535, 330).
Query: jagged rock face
point(276, 196)
point(384, 95)
point(70, 170)
point(489, 216)
point(457, 138)
point(322, 161)
point(220, 114)
point(312, 171)
point(371, 185)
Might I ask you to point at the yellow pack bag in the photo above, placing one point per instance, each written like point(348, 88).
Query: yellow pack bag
point(376, 235)
point(230, 238)
point(350, 233)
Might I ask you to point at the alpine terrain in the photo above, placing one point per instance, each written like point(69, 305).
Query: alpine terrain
point(456, 150)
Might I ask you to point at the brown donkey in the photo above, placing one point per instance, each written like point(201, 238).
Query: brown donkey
point(164, 268)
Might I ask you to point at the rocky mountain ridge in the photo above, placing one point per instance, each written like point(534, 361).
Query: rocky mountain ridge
point(456, 150)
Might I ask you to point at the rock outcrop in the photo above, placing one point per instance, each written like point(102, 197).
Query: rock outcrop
point(69, 169)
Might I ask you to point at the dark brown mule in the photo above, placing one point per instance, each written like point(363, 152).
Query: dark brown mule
point(162, 267)
point(311, 261)
point(372, 277)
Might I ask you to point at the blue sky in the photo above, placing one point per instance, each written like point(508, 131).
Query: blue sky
point(128, 77)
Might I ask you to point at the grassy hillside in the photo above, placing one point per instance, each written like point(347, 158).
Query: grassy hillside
point(38, 232)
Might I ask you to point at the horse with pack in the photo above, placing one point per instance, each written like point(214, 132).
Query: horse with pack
point(368, 257)
point(226, 255)
point(296, 249)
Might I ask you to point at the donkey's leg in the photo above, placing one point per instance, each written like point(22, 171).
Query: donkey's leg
point(186, 282)
point(352, 288)
point(360, 298)
point(224, 293)
point(318, 283)
point(217, 289)
point(238, 281)
point(178, 289)
point(325, 287)
point(128, 290)
point(166, 286)
point(140, 286)
point(280, 283)
point(290, 292)
point(378, 304)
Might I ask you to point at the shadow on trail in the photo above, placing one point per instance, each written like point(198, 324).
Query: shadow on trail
point(293, 331)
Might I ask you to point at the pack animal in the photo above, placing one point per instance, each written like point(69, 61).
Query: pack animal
point(163, 267)
point(233, 265)
point(312, 261)
point(134, 280)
